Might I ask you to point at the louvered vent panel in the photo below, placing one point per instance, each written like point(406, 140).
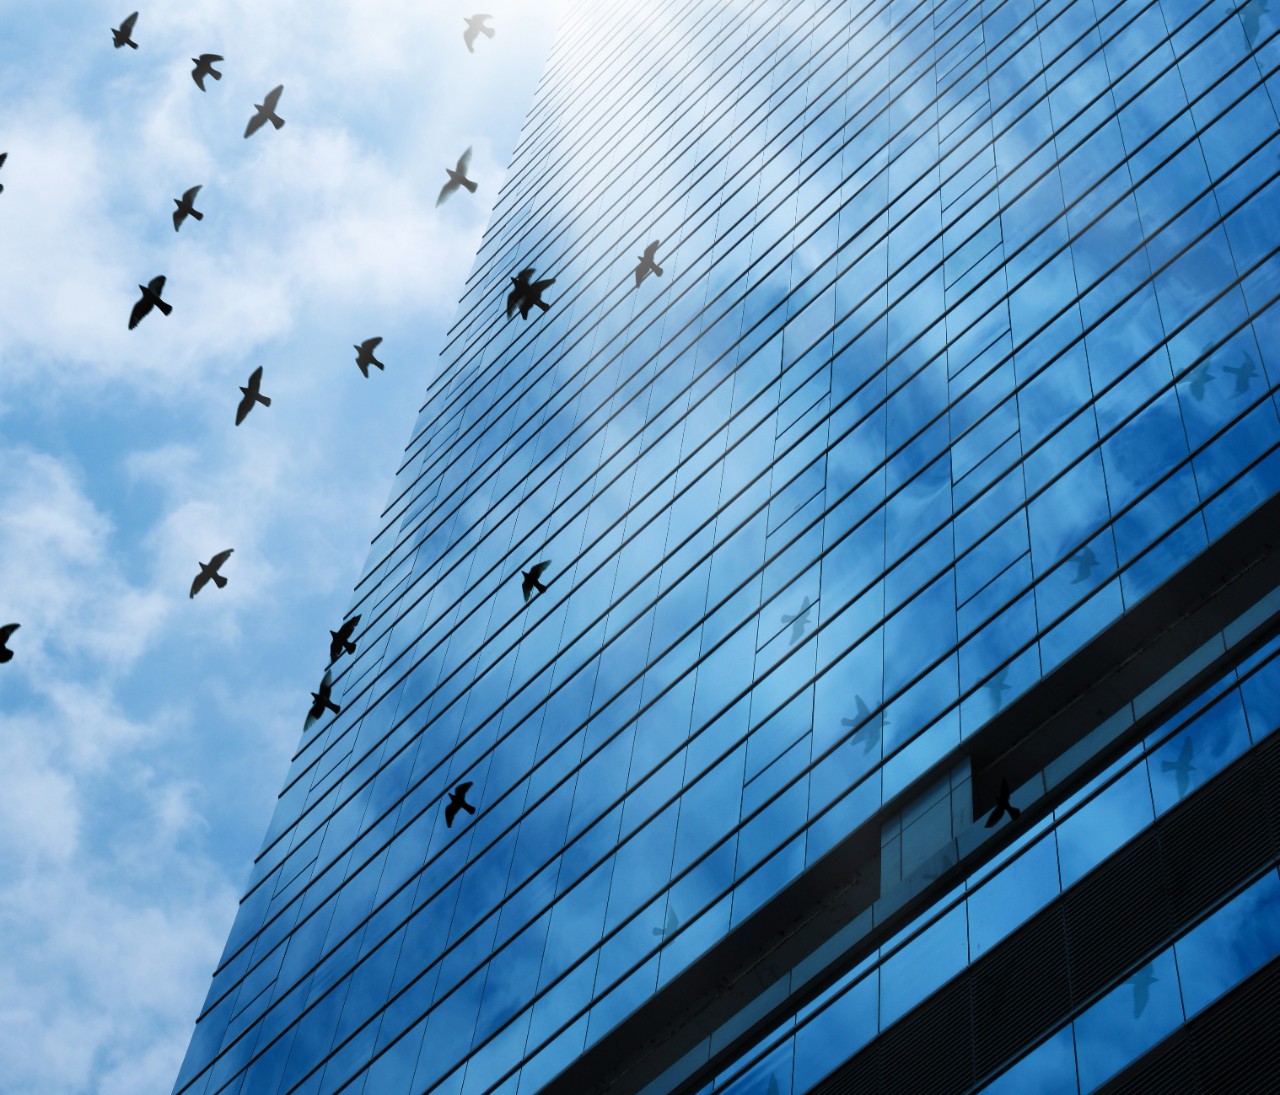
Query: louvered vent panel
point(931, 1049)
point(1237, 1041)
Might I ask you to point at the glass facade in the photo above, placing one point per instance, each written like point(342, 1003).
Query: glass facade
point(962, 351)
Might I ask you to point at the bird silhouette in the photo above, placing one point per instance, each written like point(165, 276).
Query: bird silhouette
point(457, 801)
point(527, 293)
point(1197, 379)
point(1003, 806)
point(997, 686)
point(251, 395)
point(266, 112)
point(1085, 561)
point(1182, 767)
point(647, 265)
point(475, 26)
point(871, 726)
point(340, 640)
point(150, 299)
point(798, 622)
point(3, 156)
point(1141, 981)
point(773, 1088)
point(671, 924)
point(6, 633)
point(364, 354)
point(321, 701)
point(204, 67)
point(120, 36)
point(209, 571)
point(1250, 15)
point(457, 177)
point(531, 577)
point(186, 208)
point(1243, 373)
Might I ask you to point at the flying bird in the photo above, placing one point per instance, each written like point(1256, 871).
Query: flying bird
point(526, 293)
point(6, 633)
point(871, 727)
point(266, 112)
point(321, 702)
point(340, 640)
point(798, 622)
point(1003, 806)
point(150, 299)
point(647, 265)
point(204, 67)
point(1243, 373)
point(457, 177)
point(1182, 767)
point(186, 208)
point(457, 801)
point(671, 924)
point(531, 577)
point(251, 395)
point(1085, 561)
point(475, 26)
point(3, 156)
point(364, 354)
point(997, 686)
point(120, 36)
point(1141, 981)
point(210, 570)
point(1197, 378)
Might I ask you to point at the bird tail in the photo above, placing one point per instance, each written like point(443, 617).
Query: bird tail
point(379, 364)
point(487, 31)
point(265, 400)
point(469, 185)
point(218, 580)
point(215, 75)
point(198, 216)
point(540, 587)
point(131, 43)
point(657, 269)
point(543, 305)
point(165, 308)
point(277, 121)
point(1014, 811)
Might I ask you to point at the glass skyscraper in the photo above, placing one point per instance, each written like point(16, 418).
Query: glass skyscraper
point(939, 461)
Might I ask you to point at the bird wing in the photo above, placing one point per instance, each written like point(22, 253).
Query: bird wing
point(539, 286)
point(513, 298)
point(370, 344)
point(463, 788)
point(641, 270)
point(179, 215)
point(255, 379)
point(446, 190)
point(255, 123)
point(525, 276)
point(273, 97)
point(469, 37)
point(348, 627)
point(140, 309)
point(538, 569)
point(464, 161)
point(244, 407)
point(3, 156)
point(209, 58)
point(651, 250)
point(220, 558)
point(8, 630)
point(190, 195)
point(198, 583)
point(126, 28)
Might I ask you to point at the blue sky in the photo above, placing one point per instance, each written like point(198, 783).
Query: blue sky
point(144, 735)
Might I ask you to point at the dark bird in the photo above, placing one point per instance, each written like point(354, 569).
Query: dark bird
point(1003, 806)
point(321, 701)
point(526, 293)
point(1243, 373)
point(457, 177)
point(1182, 767)
point(475, 26)
point(647, 265)
point(210, 570)
point(997, 686)
point(150, 299)
point(364, 354)
point(799, 622)
point(6, 633)
point(120, 36)
point(531, 577)
point(340, 640)
point(3, 156)
point(266, 112)
point(1250, 14)
point(672, 923)
point(457, 801)
point(1085, 561)
point(251, 395)
point(871, 726)
point(773, 1088)
point(1197, 378)
point(204, 67)
point(186, 208)
point(1141, 981)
